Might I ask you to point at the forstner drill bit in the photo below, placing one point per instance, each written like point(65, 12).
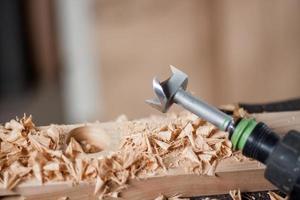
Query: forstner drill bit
point(173, 90)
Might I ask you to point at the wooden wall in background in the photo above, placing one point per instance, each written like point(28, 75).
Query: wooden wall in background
point(232, 50)
point(258, 49)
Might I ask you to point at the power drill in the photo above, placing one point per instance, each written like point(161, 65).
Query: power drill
point(255, 139)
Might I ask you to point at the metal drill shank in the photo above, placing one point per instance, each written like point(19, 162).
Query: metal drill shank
point(203, 110)
point(172, 91)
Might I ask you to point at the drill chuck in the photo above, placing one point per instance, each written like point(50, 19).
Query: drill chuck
point(283, 165)
point(281, 156)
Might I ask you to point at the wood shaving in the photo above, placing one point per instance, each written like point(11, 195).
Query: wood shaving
point(190, 154)
point(89, 148)
point(235, 194)
point(162, 145)
point(148, 147)
point(63, 198)
point(99, 185)
point(175, 197)
point(165, 135)
point(238, 156)
point(73, 148)
point(178, 197)
point(160, 197)
point(235, 109)
point(274, 196)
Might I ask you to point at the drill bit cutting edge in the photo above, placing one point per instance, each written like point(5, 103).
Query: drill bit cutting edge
point(173, 90)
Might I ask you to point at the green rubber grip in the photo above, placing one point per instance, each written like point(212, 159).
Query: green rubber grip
point(242, 132)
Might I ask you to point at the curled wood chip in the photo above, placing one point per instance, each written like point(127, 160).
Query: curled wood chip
point(240, 112)
point(178, 197)
point(73, 148)
point(190, 154)
point(205, 130)
point(37, 171)
point(160, 197)
point(89, 148)
point(10, 180)
point(235, 109)
point(52, 166)
point(18, 169)
point(90, 171)
point(14, 125)
point(274, 196)
point(235, 194)
point(165, 135)
point(54, 134)
point(238, 156)
point(149, 147)
point(174, 197)
point(188, 131)
point(163, 145)
point(212, 168)
point(228, 107)
point(99, 185)
point(63, 198)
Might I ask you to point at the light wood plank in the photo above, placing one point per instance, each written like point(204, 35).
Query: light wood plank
point(231, 174)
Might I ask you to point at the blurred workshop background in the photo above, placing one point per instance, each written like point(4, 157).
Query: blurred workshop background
point(68, 61)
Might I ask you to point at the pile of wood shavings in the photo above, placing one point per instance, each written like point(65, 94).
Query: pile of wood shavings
point(149, 147)
point(183, 141)
point(28, 152)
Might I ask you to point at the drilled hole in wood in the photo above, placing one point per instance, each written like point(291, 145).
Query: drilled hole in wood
point(92, 139)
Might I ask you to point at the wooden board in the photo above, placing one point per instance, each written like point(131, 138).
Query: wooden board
point(231, 174)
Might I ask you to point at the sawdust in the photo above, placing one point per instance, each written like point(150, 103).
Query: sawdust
point(148, 147)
